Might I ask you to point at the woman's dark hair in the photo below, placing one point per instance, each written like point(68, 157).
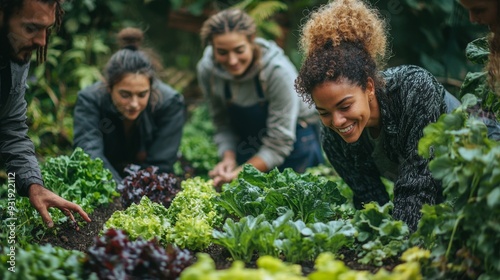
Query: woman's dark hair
point(347, 62)
point(131, 59)
point(11, 6)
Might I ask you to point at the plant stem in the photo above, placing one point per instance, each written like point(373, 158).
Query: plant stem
point(453, 235)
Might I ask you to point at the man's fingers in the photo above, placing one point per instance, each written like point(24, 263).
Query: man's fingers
point(69, 207)
point(76, 208)
point(46, 217)
point(69, 215)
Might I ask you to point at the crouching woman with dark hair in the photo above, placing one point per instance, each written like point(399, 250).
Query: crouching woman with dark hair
point(132, 117)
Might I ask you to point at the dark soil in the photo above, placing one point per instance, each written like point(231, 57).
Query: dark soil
point(71, 239)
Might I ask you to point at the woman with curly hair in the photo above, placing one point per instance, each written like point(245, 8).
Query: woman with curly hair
point(132, 117)
point(259, 118)
point(372, 119)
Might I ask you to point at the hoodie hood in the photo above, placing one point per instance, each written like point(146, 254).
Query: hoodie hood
point(269, 51)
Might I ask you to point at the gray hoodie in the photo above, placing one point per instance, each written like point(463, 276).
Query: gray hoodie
point(286, 108)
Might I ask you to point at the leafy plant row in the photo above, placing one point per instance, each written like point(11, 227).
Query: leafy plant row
point(309, 197)
point(112, 256)
point(326, 267)
point(463, 233)
point(188, 222)
point(372, 233)
point(77, 178)
point(158, 187)
point(195, 216)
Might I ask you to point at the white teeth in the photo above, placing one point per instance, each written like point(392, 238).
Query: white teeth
point(346, 129)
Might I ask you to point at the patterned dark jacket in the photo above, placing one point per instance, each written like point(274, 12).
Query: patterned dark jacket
point(410, 101)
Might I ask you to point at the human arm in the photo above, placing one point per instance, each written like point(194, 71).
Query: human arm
point(19, 152)
point(169, 120)
point(224, 137)
point(283, 111)
point(421, 98)
point(89, 125)
point(15, 146)
point(355, 166)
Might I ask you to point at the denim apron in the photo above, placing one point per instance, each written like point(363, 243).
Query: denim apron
point(250, 125)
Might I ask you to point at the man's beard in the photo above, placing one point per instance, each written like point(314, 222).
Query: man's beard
point(7, 52)
point(4, 45)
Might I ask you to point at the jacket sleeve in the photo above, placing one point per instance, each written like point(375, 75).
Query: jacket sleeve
point(224, 137)
point(15, 146)
point(169, 121)
point(283, 111)
point(422, 102)
point(354, 165)
point(89, 126)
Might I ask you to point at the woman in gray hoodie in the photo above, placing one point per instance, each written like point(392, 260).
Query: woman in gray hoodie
point(258, 116)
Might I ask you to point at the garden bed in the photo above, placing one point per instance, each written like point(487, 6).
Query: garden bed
point(70, 239)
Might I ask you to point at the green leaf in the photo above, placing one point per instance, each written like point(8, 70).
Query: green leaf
point(494, 198)
point(477, 51)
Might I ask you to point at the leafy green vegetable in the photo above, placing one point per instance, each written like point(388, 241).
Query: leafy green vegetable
point(478, 51)
point(463, 233)
point(79, 179)
point(147, 220)
point(114, 256)
point(197, 149)
point(268, 268)
point(326, 267)
point(476, 82)
point(311, 198)
point(382, 237)
point(296, 241)
point(42, 262)
point(240, 238)
point(193, 214)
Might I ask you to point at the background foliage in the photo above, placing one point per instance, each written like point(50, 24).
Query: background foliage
point(430, 34)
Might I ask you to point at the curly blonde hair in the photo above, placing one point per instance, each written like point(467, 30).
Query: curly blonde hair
point(346, 20)
point(345, 39)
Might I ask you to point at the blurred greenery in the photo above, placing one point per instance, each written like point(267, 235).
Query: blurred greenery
point(432, 34)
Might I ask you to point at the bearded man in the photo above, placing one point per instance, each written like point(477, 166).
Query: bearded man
point(25, 27)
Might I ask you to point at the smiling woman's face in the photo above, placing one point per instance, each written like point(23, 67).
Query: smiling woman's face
point(233, 51)
point(346, 108)
point(131, 95)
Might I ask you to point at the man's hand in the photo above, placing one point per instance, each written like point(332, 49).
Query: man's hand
point(42, 199)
